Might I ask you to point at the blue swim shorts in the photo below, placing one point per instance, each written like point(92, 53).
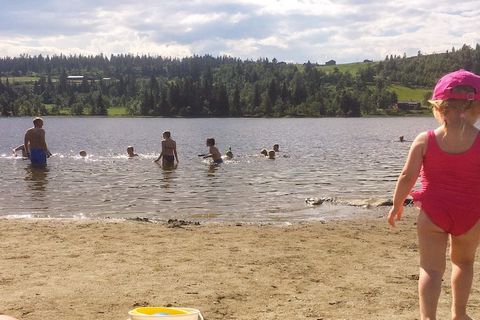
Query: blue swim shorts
point(38, 156)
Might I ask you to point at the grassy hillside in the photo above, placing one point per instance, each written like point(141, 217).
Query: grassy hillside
point(347, 67)
point(413, 94)
point(18, 80)
point(403, 93)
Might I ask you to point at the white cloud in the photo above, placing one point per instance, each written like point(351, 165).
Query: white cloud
point(305, 7)
point(273, 42)
point(300, 30)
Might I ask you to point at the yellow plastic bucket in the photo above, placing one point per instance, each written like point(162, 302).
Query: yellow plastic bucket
point(164, 313)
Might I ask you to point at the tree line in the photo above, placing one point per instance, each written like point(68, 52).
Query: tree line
point(207, 86)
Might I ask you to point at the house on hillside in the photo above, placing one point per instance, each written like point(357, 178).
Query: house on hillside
point(408, 105)
point(330, 63)
point(79, 79)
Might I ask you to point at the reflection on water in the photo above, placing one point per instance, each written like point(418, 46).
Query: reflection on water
point(36, 180)
point(168, 171)
point(36, 176)
point(351, 159)
point(212, 168)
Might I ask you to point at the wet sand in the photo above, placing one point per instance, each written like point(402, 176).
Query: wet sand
point(358, 269)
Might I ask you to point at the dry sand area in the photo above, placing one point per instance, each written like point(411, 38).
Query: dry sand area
point(358, 269)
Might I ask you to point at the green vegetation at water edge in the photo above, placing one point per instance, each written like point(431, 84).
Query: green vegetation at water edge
point(52, 109)
point(117, 112)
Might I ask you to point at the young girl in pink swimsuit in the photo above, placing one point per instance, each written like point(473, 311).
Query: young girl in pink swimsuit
point(448, 162)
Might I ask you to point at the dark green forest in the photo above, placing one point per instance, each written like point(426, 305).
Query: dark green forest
point(206, 86)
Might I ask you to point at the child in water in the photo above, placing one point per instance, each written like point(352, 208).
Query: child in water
point(448, 162)
point(169, 150)
point(130, 152)
point(213, 151)
point(229, 153)
point(20, 148)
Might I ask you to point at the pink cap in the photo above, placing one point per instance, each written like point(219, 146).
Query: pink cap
point(444, 88)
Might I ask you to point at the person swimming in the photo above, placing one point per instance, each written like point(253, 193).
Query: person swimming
point(229, 153)
point(130, 152)
point(271, 155)
point(213, 152)
point(276, 148)
point(83, 153)
point(20, 148)
point(264, 152)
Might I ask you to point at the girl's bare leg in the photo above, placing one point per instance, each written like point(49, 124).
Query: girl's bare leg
point(432, 244)
point(462, 254)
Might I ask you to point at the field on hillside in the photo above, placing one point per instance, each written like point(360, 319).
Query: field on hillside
point(404, 93)
point(347, 67)
point(410, 94)
point(18, 80)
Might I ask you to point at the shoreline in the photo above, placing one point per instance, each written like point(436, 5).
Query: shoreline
point(355, 212)
point(338, 269)
point(325, 209)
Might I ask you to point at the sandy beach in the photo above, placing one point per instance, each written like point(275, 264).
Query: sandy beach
point(358, 269)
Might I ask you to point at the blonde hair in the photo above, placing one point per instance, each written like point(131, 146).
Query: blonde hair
point(441, 108)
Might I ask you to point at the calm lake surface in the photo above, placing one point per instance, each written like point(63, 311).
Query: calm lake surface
point(350, 159)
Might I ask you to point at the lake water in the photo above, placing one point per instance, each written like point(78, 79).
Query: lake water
point(349, 159)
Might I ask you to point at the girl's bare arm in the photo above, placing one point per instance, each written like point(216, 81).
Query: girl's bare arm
point(408, 177)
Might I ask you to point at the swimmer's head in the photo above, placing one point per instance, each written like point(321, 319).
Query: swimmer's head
point(276, 147)
point(38, 122)
point(130, 150)
point(229, 154)
point(83, 153)
point(264, 152)
point(210, 142)
point(271, 154)
point(166, 134)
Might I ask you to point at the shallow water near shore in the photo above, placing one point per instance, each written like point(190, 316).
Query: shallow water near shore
point(353, 160)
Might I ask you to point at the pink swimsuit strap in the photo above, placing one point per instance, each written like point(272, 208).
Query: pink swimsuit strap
point(433, 145)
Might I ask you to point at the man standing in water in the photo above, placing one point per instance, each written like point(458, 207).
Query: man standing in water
point(35, 144)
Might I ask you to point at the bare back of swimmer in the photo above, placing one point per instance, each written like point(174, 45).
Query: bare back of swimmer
point(35, 144)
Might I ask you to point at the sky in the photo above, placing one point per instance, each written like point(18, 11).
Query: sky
point(288, 30)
